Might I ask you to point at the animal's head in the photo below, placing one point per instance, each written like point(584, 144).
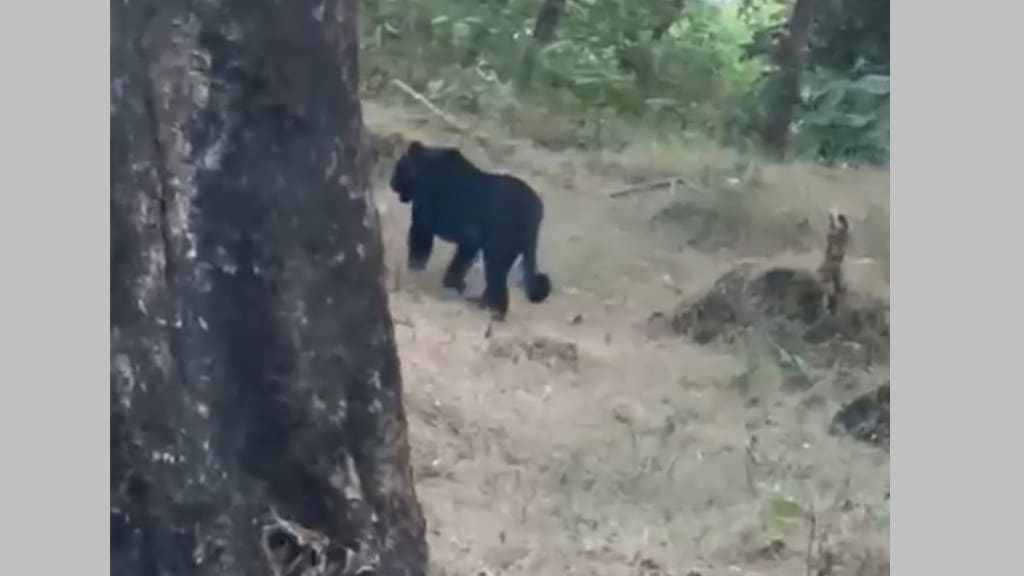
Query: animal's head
point(407, 171)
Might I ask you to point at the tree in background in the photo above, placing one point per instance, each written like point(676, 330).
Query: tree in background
point(836, 101)
point(543, 33)
point(789, 58)
point(257, 424)
point(807, 78)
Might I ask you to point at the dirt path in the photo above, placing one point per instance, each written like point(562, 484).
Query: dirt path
point(571, 442)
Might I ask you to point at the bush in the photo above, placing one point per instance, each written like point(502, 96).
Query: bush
point(698, 70)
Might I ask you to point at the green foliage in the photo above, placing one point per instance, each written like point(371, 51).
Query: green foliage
point(852, 35)
point(786, 509)
point(844, 119)
point(676, 68)
point(781, 513)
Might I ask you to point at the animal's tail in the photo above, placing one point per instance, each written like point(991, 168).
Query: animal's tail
point(537, 284)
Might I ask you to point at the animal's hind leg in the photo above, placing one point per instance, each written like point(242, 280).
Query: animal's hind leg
point(455, 275)
point(496, 267)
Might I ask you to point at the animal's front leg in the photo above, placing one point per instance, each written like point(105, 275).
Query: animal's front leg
point(455, 276)
point(421, 243)
point(421, 240)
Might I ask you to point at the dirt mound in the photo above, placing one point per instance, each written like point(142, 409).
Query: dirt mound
point(859, 330)
point(744, 297)
point(787, 304)
point(866, 418)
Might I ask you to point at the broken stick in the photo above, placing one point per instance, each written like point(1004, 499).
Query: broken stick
point(653, 185)
point(830, 273)
point(429, 105)
point(645, 187)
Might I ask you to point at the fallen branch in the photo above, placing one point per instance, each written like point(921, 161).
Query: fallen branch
point(645, 187)
point(654, 185)
point(429, 105)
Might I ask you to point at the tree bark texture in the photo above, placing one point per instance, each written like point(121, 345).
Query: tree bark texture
point(257, 424)
point(790, 60)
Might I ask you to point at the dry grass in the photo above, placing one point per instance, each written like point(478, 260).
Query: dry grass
point(643, 455)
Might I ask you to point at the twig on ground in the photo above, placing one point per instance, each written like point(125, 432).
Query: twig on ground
point(670, 183)
point(429, 105)
point(644, 187)
point(699, 541)
point(528, 502)
point(810, 539)
point(750, 462)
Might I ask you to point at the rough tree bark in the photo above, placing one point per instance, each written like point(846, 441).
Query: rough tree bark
point(256, 408)
point(790, 58)
point(544, 29)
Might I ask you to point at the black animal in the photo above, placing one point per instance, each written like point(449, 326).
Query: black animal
point(476, 210)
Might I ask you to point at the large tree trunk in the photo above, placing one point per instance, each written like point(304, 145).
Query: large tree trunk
point(256, 408)
point(786, 94)
point(544, 29)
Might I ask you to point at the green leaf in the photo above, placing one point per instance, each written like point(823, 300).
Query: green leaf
point(854, 120)
point(873, 84)
point(554, 46)
point(833, 96)
point(461, 31)
point(661, 102)
point(786, 509)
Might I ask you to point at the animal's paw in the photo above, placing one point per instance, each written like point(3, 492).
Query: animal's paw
point(459, 286)
point(417, 265)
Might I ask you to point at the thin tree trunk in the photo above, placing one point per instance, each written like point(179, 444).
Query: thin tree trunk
point(256, 420)
point(543, 33)
point(790, 59)
point(637, 58)
point(672, 9)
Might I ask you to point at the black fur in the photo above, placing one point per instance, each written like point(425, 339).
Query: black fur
point(476, 210)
